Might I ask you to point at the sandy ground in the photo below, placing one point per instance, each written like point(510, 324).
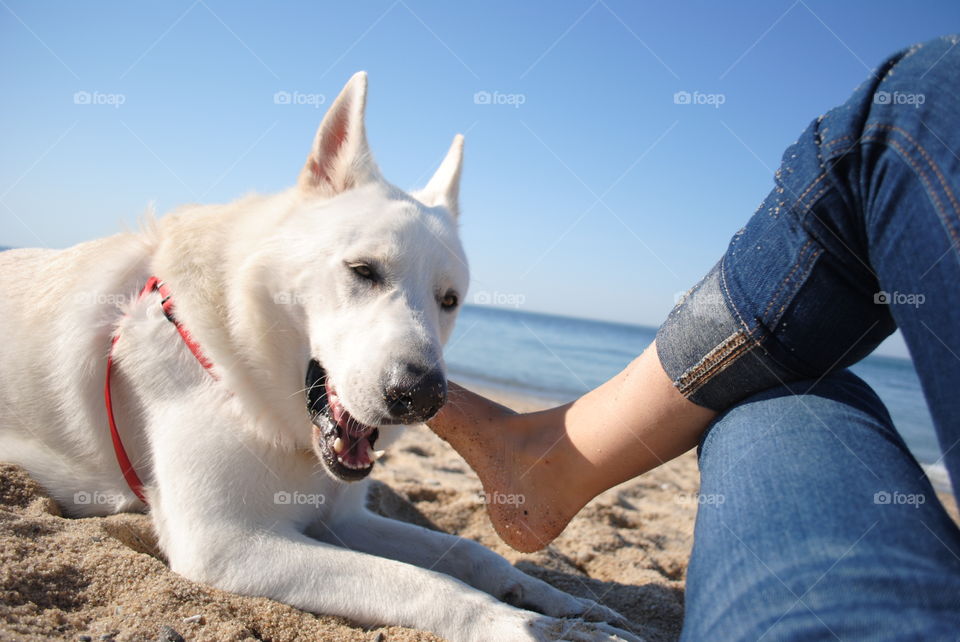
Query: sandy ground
point(103, 579)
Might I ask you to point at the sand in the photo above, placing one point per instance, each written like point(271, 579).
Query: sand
point(104, 578)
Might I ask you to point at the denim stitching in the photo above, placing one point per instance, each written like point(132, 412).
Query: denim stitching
point(713, 362)
point(783, 283)
point(742, 341)
point(811, 261)
point(926, 156)
point(835, 141)
point(726, 361)
point(816, 197)
point(944, 184)
point(806, 262)
point(926, 180)
point(711, 371)
point(810, 187)
point(800, 208)
point(726, 290)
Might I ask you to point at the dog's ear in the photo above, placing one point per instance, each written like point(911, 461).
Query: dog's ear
point(340, 158)
point(444, 188)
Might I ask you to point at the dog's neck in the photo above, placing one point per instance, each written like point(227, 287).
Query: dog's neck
point(203, 257)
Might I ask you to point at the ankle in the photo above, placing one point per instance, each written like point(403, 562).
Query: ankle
point(550, 468)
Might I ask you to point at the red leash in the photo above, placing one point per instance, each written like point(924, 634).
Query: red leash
point(126, 466)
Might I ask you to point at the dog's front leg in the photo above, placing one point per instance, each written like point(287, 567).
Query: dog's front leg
point(461, 558)
point(297, 570)
point(214, 502)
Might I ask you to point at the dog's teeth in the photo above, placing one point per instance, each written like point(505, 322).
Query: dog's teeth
point(371, 454)
point(339, 447)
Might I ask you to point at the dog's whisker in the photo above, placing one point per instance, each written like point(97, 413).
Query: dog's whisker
point(308, 389)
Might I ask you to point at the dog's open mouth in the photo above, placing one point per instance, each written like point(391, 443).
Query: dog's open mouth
point(344, 444)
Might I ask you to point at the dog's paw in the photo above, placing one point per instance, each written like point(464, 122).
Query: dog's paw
point(595, 612)
point(504, 623)
point(535, 595)
point(578, 630)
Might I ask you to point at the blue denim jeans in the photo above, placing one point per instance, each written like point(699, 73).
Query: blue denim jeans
point(816, 523)
point(822, 524)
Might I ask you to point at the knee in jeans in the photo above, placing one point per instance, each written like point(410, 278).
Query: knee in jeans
point(768, 409)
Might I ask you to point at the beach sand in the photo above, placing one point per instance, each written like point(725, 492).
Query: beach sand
point(103, 577)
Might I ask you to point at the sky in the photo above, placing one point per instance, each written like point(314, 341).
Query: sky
point(590, 187)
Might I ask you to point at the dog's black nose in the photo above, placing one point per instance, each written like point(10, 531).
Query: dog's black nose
point(414, 393)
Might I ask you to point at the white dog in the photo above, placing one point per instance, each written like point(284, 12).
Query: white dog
point(343, 281)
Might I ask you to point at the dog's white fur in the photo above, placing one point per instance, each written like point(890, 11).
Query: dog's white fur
point(261, 284)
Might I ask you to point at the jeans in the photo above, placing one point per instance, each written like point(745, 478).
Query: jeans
point(816, 523)
point(822, 524)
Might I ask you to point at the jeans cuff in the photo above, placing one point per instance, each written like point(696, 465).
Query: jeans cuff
point(714, 357)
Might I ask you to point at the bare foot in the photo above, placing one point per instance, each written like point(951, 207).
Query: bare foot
point(520, 460)
point(539, 469)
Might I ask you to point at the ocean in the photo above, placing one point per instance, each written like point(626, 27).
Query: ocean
point(556, 359)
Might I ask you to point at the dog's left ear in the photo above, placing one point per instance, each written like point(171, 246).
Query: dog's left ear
point(340, 158)
point(444, 188)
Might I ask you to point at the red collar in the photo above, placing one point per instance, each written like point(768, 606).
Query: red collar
point(126, 467)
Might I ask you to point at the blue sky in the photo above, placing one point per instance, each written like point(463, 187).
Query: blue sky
point(587, 190)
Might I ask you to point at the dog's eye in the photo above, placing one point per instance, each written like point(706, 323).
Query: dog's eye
point(363, 270)
point(449, 301)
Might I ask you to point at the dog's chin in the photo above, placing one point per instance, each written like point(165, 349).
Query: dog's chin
point(344, 444)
